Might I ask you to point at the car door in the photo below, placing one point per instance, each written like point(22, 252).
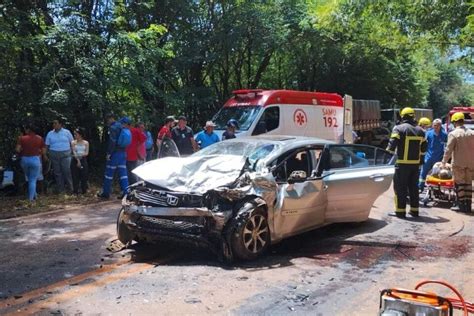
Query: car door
point(300, 205)
point(354, 176)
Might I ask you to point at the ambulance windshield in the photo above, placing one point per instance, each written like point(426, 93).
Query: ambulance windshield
point(245, 115)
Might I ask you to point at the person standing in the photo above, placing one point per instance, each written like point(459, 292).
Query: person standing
point(424, 123)
point(232, 126)
point(79, 165)
point(59, 142)
point(436, 140)
point(116, 157)
point(165, 131)
point(31, 147)
point(148, 142)
point(460, 149)
point(207, 136)
point(135, 150)
point(183, 137)
point(408, 142)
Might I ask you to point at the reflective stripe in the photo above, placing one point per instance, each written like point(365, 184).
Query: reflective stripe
point(399, 210)
point(405, 159)
point(414, 209)
point(122, 166)
point(408, 162)
point(124, 177)
point(110, 178)
point(111, 167)
point(395, 135)
point(391, 151)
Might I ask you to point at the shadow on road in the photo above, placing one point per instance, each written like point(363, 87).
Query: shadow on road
point(315, 244)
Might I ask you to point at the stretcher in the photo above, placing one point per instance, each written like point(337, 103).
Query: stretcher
point(437, 189)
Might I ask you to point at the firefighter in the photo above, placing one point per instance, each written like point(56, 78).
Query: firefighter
point(408, 143)
point(459, 149)
point(424, 123)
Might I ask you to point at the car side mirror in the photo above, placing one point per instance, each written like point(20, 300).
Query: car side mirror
point(297, 176)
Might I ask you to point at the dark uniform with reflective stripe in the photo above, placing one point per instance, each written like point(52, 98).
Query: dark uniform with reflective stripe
point(409, 143)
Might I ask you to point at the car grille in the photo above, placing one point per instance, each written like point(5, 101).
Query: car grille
point(151, 197)
point(166, 225)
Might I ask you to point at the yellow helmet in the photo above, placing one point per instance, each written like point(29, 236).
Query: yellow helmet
point(407, 112)
point(424, 121)
point(458, 116)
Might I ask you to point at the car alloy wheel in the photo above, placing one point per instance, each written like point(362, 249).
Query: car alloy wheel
point(255, 233)
point(250, 233)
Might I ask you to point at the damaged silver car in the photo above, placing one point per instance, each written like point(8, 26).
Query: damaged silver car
point(239, 196)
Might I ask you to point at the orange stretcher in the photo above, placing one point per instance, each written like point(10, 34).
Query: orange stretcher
point(438, 189)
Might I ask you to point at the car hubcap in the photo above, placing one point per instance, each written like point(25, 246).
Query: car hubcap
point(255, 233)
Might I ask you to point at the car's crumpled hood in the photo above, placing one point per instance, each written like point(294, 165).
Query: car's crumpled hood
point(194, 174)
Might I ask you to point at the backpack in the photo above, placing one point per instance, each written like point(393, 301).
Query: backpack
point(149, 141)
point(125, 138)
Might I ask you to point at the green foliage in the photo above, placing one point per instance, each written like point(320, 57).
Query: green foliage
point(152, 58)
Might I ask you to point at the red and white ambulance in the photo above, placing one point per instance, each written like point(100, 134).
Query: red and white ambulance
point(288, 112)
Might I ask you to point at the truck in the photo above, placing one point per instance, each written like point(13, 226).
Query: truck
point(366, 120)
point(390, 117)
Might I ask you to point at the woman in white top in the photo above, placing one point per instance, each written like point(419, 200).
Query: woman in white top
point(79, 165)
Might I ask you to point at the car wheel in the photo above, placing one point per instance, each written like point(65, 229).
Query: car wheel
point(123, 233)
point(250, 235)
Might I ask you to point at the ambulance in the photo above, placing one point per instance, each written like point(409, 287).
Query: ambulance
point(288, 112)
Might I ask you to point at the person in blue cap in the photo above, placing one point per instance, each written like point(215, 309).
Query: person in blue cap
point(232, 126)
point(119, 138)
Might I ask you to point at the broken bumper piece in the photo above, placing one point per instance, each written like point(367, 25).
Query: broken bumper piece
point(188, 225)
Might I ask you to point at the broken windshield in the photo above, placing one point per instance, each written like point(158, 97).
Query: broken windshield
point(253, 150)
point(245, 115)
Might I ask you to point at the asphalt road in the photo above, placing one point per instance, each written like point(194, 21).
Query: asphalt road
point(57, 263)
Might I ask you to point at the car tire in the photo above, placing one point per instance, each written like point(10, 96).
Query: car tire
point(123, 233)
point(250, 236)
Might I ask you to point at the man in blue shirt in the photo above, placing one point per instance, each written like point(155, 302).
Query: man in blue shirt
point(207, 136)
point(116, 158)
point(436, 140)
point(58, 142)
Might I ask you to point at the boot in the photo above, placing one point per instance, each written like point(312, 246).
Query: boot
point(398, 214)
point(468, 206)
point(456, 206)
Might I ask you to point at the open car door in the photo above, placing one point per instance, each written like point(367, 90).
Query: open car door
point(301, 198)
point(168, 148)
point(355, 176)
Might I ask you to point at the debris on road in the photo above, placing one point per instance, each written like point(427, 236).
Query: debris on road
point(115, 246)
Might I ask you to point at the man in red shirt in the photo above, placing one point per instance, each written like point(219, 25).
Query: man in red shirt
point(132, 150)
point(165, 131)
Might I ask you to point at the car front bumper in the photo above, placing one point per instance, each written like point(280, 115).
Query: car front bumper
point(189, 225)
